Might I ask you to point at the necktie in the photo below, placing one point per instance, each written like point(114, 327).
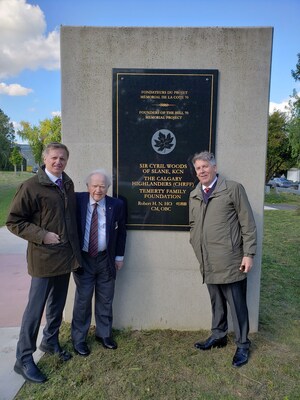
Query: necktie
point(93, 240)
point(59, 183)
point(206, 190)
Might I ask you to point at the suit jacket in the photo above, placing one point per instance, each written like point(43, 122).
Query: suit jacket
point(115, 225)
point(39, 207)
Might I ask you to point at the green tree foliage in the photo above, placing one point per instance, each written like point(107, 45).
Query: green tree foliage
point(294, 128)
point(49, 130)
point(16, 158)
point(7, 137)
point(296, 72)
point(294, 120)
point(279, 157)
point(283, 149)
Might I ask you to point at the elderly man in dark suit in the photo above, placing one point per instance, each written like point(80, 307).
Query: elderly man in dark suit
point(102, 233)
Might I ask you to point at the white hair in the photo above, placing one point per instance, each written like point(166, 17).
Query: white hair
point(99, 172)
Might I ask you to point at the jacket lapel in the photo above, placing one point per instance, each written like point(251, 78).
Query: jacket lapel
point(109, 216)
point(83, 206)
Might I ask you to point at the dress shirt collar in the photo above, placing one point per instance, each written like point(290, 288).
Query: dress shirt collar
point(52, 177)
point(100, 203)
point(211, 185)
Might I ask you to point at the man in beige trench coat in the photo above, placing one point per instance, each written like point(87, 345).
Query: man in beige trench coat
point(223, 236)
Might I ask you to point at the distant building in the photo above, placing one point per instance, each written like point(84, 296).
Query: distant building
point(293, 174)
point(28, 157)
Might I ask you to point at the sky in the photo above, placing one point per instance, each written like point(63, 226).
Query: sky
point(30, 41)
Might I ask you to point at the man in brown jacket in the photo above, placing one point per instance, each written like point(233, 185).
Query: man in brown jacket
point(43, 213)
point(223, 236)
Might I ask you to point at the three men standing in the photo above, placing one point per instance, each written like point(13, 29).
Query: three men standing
point(223, 236)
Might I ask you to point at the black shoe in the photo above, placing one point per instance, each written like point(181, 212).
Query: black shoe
point(241, 357)
point(211, 342)
point(107, 342)
point(82, 349)
point(55, 349)
point(29, 371)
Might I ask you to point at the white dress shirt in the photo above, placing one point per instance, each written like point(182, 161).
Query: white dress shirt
point(211, 185)
point(52, 177)
point(101, 224)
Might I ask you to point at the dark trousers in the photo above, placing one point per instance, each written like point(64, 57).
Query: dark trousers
point(235, 294)
point(97, 277)
point(49, 292)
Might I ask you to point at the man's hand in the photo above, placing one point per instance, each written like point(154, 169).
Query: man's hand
point(79, 271)
point(51, 238)
point(246, 265)
point(119, 265)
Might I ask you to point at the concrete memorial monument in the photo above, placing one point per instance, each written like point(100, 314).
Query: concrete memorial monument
point(140, 102)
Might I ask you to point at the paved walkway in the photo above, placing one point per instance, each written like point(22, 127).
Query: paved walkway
point(14, 287)
point(286, 207)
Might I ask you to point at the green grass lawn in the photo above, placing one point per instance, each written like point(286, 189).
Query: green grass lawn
point(9, 181)
point(163, 365)
point(282, 197)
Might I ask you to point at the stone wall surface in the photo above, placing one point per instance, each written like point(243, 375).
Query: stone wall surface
point(160, 285)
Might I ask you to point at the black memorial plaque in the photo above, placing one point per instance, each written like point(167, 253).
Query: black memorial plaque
point(161, 118)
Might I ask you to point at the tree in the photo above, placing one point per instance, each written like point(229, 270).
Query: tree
point(49, 130)
point(16, 158)
point(279, 157)
point(294, 127)
point(7, 137)
point(283, 151)
point(294, 121)
point(296, 72)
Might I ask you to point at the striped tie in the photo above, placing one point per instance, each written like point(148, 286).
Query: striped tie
point(93, 240)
